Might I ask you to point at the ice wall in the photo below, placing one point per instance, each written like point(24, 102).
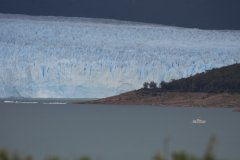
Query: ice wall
point(92, 58)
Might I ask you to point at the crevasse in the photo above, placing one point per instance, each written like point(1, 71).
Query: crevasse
point(54, 57)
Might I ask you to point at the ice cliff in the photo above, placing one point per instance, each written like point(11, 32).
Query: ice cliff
point(92, 58)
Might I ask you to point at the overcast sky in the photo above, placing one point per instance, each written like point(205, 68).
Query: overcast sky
point(208, 14)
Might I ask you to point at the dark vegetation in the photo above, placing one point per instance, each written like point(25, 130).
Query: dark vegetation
point(5, 155)
point(208, 155)
point(213, 88)
point(225, 79)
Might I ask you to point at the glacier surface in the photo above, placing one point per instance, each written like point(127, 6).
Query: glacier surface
point(54, 57)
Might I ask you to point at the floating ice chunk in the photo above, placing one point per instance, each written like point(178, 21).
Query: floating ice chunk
point(199, 121)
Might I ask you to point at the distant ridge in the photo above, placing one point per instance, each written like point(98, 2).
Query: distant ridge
point(224, 79)
point(214, 88)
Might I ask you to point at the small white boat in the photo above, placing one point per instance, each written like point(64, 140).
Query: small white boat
point(199, 121)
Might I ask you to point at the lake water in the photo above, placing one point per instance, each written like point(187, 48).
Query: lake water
point(115, 132)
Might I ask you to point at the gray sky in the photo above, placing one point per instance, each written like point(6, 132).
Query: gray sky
point(206, 14)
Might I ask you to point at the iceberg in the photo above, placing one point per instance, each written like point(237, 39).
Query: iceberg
point(199, 121)
point(58, 57)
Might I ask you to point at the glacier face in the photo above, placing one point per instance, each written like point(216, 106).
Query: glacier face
point(54, 57)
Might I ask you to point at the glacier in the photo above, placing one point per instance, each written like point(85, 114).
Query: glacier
point(59, 57)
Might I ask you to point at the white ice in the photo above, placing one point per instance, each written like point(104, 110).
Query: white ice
point(57, 57)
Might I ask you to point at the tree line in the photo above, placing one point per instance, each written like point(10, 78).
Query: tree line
point(225, 79)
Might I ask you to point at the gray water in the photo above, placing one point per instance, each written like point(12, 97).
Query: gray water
point(115, 132)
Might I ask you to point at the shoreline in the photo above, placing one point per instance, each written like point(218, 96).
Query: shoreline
point(173, 98)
